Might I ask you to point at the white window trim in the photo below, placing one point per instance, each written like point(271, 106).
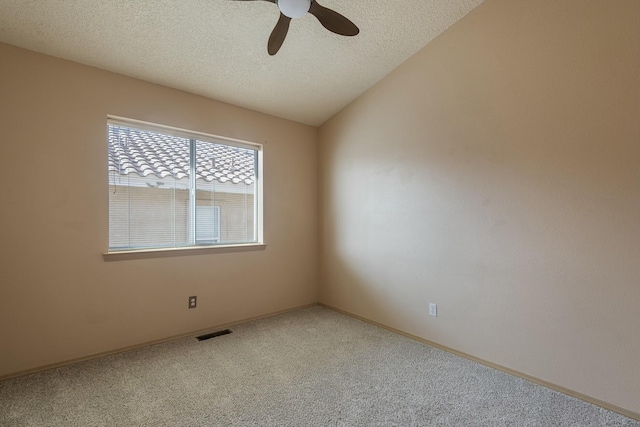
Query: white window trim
point(181, 251)
point(259, 244)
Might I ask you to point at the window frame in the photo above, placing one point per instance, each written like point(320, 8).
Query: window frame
point(195, 247)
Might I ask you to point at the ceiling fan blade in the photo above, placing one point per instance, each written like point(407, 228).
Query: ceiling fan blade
point(278, 34)
point(333, 21)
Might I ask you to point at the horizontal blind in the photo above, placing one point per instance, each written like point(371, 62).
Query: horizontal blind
point(232, 188)
point(151, 200)
point(148, 189)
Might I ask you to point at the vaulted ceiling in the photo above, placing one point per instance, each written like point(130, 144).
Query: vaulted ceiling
point(218, 48)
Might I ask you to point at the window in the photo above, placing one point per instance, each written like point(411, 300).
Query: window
point(170, 188)
point(207, 224)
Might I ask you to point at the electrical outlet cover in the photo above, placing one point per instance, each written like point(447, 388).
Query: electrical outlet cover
point(433, 309)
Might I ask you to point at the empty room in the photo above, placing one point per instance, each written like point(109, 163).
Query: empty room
point(331, 213)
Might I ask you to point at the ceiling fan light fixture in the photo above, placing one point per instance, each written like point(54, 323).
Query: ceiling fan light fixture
point(294, 8)
point(290, 9)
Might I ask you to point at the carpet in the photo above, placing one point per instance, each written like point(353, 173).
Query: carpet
point(311, 367)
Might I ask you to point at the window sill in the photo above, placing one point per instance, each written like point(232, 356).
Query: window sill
point(174, 252)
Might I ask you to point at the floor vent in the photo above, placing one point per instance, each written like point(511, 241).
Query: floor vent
point(213, 335)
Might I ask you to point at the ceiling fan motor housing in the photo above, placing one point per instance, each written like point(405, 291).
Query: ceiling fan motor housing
point(294, 8)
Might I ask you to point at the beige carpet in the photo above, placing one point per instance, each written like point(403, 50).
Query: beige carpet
point(312, 367)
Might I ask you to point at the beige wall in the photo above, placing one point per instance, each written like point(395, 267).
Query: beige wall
point(59, 299)
point(497, 174)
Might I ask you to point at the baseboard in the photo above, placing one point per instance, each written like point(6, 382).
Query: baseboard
point(147, 344)
point(564, 390)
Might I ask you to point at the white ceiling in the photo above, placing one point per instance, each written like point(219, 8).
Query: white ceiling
point(218, 48)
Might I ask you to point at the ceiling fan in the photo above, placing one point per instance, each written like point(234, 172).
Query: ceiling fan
point(291, 9)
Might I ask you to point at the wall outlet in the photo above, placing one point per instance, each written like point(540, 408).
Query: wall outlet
point(193, 301)
point(433, 309)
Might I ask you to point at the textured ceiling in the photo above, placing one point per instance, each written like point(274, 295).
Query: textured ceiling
point(218, 48)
